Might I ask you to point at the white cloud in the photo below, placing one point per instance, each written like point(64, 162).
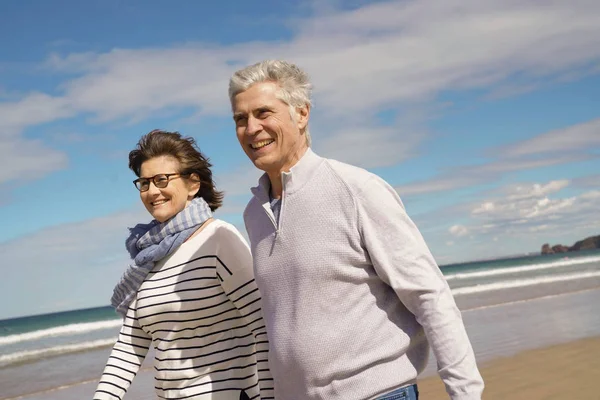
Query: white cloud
point(523, 202)
point(516, 192)
point(576, 137)
point(427, 46)
point(369, 146)
point(514, 164)
point(441, 183)
point(458, 230)
point(384, 55)
point(485, 207)
point(76, 264)
point(539, 228)
point(535, 207)
point(588, 181)
point(25, 159)
point(33, 109)
point(465, 176)
point(513, 219)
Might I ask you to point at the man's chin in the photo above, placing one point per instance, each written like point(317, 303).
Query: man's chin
point(262, 163)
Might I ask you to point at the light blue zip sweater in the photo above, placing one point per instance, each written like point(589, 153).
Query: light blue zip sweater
point(352, 297)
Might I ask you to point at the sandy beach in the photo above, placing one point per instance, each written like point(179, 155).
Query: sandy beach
point(538, 342)
point(565, 371)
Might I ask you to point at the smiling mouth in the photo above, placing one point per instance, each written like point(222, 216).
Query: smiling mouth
point(158, 203)
point(261, 144)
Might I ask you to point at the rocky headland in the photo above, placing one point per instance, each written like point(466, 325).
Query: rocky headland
point(592, 242)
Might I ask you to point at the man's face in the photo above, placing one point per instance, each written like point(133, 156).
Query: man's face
point(271, 138)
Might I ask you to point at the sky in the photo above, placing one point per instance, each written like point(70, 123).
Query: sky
point(483, 115)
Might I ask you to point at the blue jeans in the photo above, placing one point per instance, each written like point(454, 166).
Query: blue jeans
point(405, 393)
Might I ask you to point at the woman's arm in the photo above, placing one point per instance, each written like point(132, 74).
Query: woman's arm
point(125, 360)
point(237, 278)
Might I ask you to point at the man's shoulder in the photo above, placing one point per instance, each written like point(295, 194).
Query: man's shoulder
point(352, 176)
point(254, 202)
point(362, 184)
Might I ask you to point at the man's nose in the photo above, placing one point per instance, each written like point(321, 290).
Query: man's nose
point(253, 126)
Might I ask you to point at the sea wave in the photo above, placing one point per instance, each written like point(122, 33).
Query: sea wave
point(29, 355)
point(63, 330)
point(523, 268)
point(510, 284)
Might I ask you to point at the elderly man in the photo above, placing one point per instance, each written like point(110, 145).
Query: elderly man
point(352, 297)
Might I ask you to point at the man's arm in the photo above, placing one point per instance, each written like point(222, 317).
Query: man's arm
point(402, 260)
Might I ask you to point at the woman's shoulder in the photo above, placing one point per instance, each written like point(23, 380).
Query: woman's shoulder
point(220, 238)
point(217, 229)
point(227, 230)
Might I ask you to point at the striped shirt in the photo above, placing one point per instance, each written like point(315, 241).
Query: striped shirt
point(201, 310)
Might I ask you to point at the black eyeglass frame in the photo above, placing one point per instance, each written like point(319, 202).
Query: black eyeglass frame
point(154, 180)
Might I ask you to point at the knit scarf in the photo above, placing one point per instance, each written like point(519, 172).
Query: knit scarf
point(150, 243)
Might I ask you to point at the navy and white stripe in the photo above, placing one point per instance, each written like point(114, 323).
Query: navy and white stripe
point(202, 311)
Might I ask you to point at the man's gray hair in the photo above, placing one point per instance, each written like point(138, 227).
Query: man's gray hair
point(294, 83)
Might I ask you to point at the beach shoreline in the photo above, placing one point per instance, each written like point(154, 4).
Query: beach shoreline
point(568, 370)
point(508, 311)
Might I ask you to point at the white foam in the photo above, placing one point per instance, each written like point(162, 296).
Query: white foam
point(524, 283)
point(60, 331)
point(524, 268)
point(27, 355)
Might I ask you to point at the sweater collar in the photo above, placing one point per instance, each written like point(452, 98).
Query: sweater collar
point(292, 181)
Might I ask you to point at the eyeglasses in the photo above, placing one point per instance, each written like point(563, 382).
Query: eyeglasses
point(160, 181)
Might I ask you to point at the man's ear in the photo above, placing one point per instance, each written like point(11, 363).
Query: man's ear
point(302, 115)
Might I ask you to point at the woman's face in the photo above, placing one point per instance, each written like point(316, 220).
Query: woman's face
point(165, 203)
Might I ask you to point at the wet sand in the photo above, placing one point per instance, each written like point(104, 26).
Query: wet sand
point(565, 371)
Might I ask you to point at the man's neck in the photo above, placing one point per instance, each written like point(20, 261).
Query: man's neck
point(275, 176)
point(276, 185)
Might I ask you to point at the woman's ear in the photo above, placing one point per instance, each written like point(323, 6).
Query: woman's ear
point(193, 185)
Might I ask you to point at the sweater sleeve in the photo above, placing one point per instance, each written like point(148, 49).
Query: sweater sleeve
point(237, 279)
point(125, 360)
point(402, 260)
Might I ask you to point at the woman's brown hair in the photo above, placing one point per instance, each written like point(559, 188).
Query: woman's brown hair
point(163, 143)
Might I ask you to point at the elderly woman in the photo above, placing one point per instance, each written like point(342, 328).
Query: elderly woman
point(190, 289)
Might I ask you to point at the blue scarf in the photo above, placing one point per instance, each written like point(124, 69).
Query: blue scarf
point(149, 243)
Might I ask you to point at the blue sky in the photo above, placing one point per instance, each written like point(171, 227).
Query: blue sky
point(485, 116)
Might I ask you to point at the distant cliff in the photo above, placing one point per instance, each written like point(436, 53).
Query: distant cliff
point(593, 242)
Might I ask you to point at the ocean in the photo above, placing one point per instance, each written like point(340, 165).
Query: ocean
point(61, 355)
